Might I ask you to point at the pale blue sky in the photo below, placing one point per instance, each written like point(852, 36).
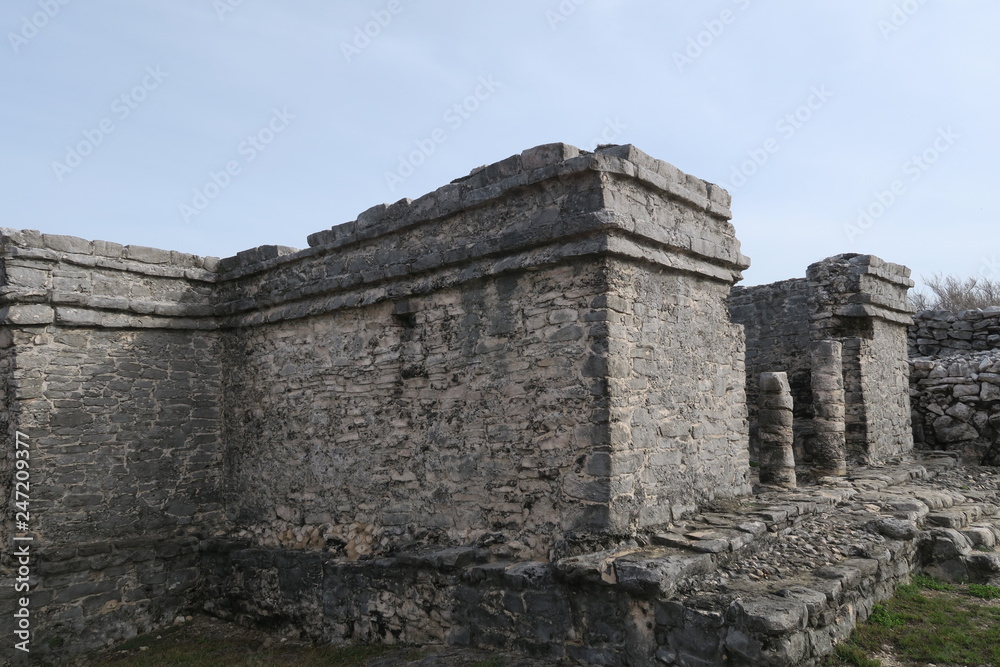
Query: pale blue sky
point(833, 99)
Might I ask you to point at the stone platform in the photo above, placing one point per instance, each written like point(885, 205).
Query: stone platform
point(773, 579)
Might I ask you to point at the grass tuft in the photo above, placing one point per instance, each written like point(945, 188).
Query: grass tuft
point(882, 615)
point(984, 592)
point(931, 584)
point(854, 656)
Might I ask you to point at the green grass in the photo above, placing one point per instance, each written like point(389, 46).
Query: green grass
point(984, 592)
point(930, 583)
point(928, 622)
point(882, 615)
point(854, 656)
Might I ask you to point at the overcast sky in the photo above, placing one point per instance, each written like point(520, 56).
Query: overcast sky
point(212, 126)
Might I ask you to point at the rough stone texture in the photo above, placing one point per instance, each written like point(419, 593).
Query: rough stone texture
point(509, 413)
point(533, 361)
point(955, 383)
point(477, 414)
point(556, 375)
point(798, 570)
point(774, 417)
point(777, 319)
point(829, 445)
point(122, 417)
point(956, 405)
point(942, 333)
point(860, 301)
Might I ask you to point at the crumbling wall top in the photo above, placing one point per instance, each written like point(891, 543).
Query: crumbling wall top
point(853, 285)
point(491, 182)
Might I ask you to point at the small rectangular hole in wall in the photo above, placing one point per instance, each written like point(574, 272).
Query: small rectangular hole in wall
point(405, 314)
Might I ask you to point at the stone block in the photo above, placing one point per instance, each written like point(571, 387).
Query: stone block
point(68, 244)
point(146, 255)
point(27, 315)
point(772, 615)
point(547, 155)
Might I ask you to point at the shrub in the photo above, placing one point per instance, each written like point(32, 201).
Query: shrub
point(955, 294)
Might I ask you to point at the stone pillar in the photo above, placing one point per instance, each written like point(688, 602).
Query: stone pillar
point(829, 450)
point(774, 419)
point(861, 301)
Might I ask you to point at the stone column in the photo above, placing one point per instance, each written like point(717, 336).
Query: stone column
point(829, 450)
point(774, 420)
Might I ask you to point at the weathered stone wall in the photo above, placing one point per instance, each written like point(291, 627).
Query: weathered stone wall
point(536, 359)
point(863, 301)
point(8, 428)
point(942, 333)
point(556, 375)
point(678, 407)
point(777, 319)
point(955, 382)
point(860, 301)
point(475, 415)
point(886, 427)
point(956, 405)
point(120, 406)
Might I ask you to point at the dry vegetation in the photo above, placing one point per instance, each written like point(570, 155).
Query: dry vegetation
point(956, 294)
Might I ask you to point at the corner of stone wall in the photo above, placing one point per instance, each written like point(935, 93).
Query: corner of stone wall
point(108, 368)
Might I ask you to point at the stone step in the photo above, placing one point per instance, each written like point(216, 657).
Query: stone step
point(784, 577)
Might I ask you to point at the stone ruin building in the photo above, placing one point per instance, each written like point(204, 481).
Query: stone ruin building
point(523, 411)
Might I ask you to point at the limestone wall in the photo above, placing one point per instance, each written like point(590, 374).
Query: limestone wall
point(777, 319)
point(941, 333)
point(863, 301)
point(678, 406)
point(955, 383)
point(956, 405)
point(536, 359)
point(473, 416)
point(120, 406)
point(530, 356)
point(860, 301)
